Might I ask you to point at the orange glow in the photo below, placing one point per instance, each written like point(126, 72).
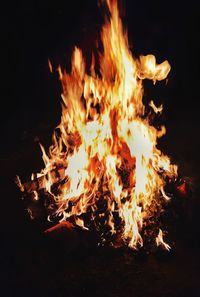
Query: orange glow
point(103, 134)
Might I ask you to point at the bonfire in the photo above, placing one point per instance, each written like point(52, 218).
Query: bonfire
point(104, 170)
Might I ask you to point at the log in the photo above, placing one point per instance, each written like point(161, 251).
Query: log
point(63, 235)
point(71, 237)
point(59, 228)
point(39, 183)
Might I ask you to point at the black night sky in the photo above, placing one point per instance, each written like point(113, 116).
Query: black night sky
point(33, 32)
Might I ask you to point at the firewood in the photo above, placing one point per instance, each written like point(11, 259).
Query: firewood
point(59, 228)
point(71, 237)
point(39, 183)
point(63, 235)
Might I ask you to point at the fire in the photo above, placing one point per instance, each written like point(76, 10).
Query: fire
point(114, 174)
point(160, 241)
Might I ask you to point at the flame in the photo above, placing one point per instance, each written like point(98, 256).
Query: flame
point(50, 66)
point(156, 109)
point(104, 135)
point(160, 241)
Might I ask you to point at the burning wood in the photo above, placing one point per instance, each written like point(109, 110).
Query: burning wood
point(111, 173)
point(39, 183)
point(58, 227)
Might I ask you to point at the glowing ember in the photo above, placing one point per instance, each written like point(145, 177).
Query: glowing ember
point(113, 174)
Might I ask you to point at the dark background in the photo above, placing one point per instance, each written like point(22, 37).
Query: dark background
point(32, 32)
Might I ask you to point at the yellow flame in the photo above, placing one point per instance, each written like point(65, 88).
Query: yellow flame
point(160, 241)
point(155, 108)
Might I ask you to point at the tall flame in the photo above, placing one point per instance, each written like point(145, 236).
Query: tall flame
point(106, 145)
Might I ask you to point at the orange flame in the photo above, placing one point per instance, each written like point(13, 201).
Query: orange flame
point(103, 134)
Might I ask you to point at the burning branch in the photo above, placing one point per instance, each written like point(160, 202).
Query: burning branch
point(39, 183)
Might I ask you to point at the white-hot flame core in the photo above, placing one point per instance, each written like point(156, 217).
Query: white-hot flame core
point(103, 129)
